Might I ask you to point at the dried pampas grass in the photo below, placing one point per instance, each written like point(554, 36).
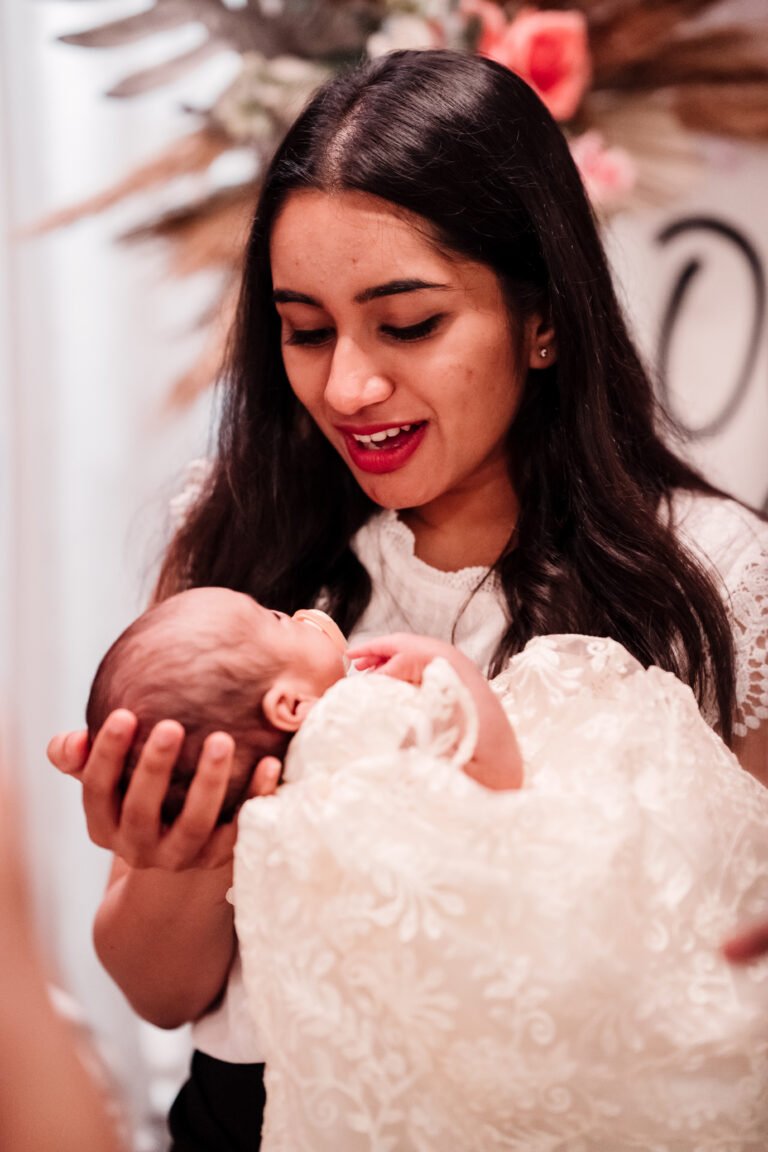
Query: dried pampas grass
point(661, 71)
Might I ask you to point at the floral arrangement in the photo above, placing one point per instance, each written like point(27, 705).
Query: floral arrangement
point(631, 82)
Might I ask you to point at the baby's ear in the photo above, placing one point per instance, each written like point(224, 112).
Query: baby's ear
point(285, 706)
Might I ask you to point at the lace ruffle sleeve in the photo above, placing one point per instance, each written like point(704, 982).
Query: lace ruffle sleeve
point(748, 608)
point(195, 476)
point(732, 543)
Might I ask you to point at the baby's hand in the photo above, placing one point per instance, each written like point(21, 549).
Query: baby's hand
point(496, 763)
point(402, 655)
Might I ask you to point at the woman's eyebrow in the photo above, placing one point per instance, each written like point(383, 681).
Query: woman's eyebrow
point(286, 296)
point(391, 288)
point(395, 288)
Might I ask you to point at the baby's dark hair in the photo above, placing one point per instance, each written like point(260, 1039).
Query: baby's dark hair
point(160, 668)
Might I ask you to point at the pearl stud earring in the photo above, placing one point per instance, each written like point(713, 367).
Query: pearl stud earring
point(543, 353)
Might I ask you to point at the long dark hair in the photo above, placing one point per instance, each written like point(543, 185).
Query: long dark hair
point(466, 146)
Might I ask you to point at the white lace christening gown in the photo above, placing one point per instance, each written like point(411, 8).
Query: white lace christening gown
point(437, 967)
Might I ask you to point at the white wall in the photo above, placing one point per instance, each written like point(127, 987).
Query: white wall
point(723, 218)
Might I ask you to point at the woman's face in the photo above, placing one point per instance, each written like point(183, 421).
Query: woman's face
point(406, 358)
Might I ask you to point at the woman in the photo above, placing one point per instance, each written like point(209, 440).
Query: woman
point(427, 326)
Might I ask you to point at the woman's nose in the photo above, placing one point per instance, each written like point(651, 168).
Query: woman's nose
point(355, 381)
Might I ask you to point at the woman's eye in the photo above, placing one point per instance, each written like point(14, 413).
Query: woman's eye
point(412, 331)
point(309, 337)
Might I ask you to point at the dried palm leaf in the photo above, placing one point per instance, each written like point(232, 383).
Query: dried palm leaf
point(636, 34)
point(320, 29)
point(148, 79)
point(715, 56)
point(214, 241)
point(205, 234)
point(192, 153)
point(162, 17)
point(660, 67)
point(206, 370)
point(739, 110)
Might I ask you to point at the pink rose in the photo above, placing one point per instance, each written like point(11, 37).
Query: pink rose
point(549, 50)
point(609, 174)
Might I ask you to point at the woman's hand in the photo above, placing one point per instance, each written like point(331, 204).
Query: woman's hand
point(164, 929)
point(131, 826)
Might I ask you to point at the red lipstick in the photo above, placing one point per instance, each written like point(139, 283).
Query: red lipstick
point(386, 455)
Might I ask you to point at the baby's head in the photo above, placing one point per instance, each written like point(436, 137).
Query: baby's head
point(215, 660)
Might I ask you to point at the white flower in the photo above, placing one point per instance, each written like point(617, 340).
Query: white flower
point(266, 93)
point(403, 30)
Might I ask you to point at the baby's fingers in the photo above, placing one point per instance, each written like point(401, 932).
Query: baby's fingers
point(377, 650)
point(365, 663)
point(404, 666)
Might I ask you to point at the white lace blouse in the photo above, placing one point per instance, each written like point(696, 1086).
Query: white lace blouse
point(409, 595)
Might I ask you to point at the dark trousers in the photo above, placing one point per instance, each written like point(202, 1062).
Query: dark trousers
point(219, 1109)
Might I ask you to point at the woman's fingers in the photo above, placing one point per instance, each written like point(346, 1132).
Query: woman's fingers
point(748, 945)
point(140, 816)
point(266, 777)
point(193, 838)
point(101, 776)
point(68, 751)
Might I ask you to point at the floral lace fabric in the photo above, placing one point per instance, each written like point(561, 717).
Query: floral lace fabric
point(438, 967)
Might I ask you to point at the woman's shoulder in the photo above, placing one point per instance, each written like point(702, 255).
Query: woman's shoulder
point(732, 542)
point(727, 536)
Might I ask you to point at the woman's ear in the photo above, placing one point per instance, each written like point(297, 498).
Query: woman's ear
point(285, 705)
point(540, 342)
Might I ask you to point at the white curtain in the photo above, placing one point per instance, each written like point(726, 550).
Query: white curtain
point(89, 456)
point(90, 337)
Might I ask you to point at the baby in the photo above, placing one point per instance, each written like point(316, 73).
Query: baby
point(215, 660)
point(429, 963)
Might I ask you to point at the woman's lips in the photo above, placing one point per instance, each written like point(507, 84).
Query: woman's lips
point(393, 446)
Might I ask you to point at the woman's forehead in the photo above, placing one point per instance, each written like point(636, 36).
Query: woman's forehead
point(358, 245)
point(354, 223)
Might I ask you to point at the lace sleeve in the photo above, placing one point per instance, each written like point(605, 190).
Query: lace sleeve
point(749, 614)
point(195, 477)
point(732, 543)
point(748, 609)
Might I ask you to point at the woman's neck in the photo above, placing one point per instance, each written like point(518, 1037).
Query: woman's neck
point(463, 530)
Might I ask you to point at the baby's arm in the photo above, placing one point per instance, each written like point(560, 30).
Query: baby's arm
point(496, 763)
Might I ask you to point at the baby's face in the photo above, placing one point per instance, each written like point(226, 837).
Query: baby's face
point(308, 646)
